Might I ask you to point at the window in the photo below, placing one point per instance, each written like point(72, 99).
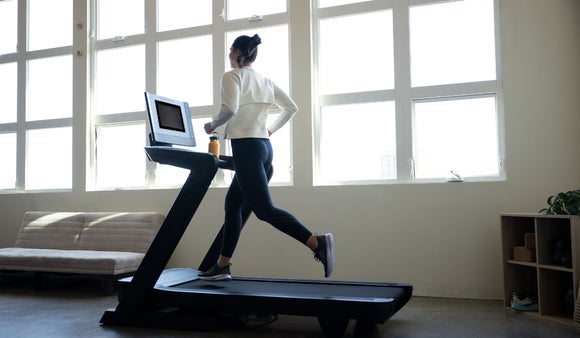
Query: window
point(458, 135)
point(343, 41)
point(185, 69)
point(49, 90)
point(49, 31)
point(238, 9)
point(8, 155)
point(49, 158)
point(424, 99)
point(8, 26)
point(452, 43)
point(119, 80)
point(401, 90)
point(174, 57)
point(36, 91)
point(349, 153)
point(8, 91)
point(119, 18)
point(120, 155)
point(176, 14)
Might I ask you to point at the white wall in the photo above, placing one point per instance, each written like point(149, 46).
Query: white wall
point(443, 238)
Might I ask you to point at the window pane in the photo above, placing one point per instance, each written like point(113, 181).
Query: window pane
point(8, 156)
point(330, 3)
point(186, 70)
point(8, 26)
point(50, 23)
point(344, 40)
point(120, 156)
point(273, 54)
point(238, 9)
point(49, 158)
point(120, 80)
point(458, 135)
point(452, 42)
point(176, 14)
point(8, 92)
point(120, 18)
point(49, 88)
point(346, 154)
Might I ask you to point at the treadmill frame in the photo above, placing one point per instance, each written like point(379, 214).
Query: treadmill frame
point(148, 299)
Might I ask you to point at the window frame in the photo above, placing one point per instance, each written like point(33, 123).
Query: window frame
point(403, 94)
point(21, 126)
point(218, 30)
point(304, 81)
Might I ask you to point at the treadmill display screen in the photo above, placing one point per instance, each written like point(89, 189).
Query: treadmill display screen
point(169, 116)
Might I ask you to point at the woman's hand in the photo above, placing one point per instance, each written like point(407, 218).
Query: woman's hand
point(208, 128)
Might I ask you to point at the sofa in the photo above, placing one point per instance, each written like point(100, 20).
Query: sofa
point(104, 245)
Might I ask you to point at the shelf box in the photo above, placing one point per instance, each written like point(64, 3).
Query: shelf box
point(523, 254)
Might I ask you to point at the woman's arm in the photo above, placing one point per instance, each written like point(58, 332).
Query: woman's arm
point(289, 109)
point(230, 100)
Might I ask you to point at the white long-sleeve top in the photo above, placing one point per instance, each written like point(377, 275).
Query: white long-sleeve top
point(246, 98)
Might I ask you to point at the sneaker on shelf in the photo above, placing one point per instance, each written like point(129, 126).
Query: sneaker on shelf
point(523, 303)
point(216, 274)
point(324, 253)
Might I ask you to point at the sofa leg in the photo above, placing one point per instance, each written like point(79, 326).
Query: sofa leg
point(108, 285)
point(38, 280)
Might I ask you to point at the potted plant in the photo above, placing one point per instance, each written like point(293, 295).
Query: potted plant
point(563, 203)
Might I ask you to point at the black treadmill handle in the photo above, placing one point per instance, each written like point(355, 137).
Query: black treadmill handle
point(226, 162)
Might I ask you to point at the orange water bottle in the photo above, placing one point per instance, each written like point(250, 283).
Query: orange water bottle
point(214, 145)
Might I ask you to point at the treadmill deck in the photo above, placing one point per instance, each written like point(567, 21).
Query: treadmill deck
point(374, 302)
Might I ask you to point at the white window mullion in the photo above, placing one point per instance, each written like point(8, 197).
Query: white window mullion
point(499, 91)
point(403, 106)
point(79, 118)
point(219, 24)
point(301, 71)
point(316, 97)
point(21, 101)
point(219, 46)
point(150, 72)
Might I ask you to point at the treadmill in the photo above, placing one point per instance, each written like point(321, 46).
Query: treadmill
point(176, 299)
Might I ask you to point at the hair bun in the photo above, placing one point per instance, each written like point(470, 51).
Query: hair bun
point(256, 40)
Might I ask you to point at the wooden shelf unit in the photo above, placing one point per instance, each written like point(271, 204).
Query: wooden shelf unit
point(545, 278)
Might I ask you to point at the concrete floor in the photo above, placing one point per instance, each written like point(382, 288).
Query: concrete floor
point(73, 309)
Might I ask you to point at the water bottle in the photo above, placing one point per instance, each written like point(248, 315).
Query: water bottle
point(214, 145)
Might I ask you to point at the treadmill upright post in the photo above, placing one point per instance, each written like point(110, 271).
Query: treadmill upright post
point(202, 170)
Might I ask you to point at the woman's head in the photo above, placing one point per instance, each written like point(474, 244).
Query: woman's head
point(245, 49)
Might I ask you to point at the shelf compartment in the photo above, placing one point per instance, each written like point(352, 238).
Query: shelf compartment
point(514, 229)
point(520, 278)
point(554, 299)
point(550, 231)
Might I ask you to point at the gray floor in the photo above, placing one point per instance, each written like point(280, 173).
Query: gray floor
point(73, 309)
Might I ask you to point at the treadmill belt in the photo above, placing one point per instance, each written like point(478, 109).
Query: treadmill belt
point(295, 289)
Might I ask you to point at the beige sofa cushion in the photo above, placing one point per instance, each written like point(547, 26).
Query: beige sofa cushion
point(119, 231)
point(50, 230)
point(70, 261)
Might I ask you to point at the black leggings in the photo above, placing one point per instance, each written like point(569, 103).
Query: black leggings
point(252, 159)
